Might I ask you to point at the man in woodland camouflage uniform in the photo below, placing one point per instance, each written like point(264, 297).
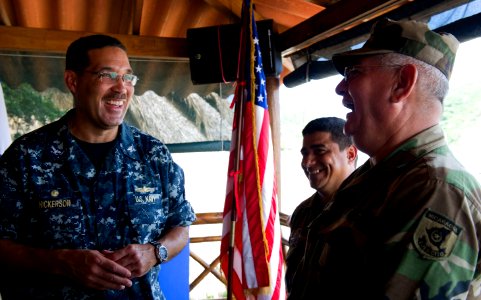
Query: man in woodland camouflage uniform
point(328, 157)
point(407, 223)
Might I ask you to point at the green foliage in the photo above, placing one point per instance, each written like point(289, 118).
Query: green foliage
point(27, 104)
point(28, 109)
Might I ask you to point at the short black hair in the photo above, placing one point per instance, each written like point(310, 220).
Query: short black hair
point(333, 125)
point(77, 58)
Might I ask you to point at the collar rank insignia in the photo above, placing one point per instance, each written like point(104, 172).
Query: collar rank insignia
point(144, 190)
point(436, 236)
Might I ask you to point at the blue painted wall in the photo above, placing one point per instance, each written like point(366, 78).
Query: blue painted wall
point(174, 276)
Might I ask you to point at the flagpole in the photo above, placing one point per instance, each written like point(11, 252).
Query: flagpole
point(239, 115)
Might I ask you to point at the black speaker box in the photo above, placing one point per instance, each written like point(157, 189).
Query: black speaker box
point(214, 51)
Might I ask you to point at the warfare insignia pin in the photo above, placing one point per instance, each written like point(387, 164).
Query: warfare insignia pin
point(144, 189)
point(436, 236)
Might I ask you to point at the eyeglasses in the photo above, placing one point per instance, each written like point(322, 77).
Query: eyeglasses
point(112, 77)
point(352, 71)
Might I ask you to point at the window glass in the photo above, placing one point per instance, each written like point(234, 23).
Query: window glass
point(166, 103)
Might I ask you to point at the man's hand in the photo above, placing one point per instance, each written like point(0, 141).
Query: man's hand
point(138, 259)
point(95, 270)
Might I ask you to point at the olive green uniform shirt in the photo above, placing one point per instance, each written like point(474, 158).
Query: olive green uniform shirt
point(302, 216)
point(407, 228)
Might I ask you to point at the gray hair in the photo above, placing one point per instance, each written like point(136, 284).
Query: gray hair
point(430, 79)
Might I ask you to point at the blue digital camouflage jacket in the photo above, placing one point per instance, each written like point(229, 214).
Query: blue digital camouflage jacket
point(51, 196)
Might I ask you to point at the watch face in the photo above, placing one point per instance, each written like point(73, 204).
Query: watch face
point(163, 254)
point(160, 252)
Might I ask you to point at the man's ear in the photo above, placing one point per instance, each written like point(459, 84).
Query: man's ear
point(406, 80)
point(351, 153)
point(70, 78)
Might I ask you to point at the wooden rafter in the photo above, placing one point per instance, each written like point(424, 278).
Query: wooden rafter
point(6, 13)
point(137, 16)
point(332, 21)
point(57, 41)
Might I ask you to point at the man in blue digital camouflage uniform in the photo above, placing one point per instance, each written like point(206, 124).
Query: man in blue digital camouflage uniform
point(407, 223)
point(89, 206)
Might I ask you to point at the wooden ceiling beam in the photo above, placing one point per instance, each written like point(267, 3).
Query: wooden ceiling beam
point(324, 3)
point(7, 17)
point(127, 15)
point(298, 8)
point(234, 6)
point(57, 41)
point(334, 20)
point(137, 16)
point(227, 6)
point(287, 13)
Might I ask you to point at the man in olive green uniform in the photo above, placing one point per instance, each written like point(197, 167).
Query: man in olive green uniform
point(328, 157)
point(407, 223)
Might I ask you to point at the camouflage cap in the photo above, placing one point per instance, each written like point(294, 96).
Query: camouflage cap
point(411, 38)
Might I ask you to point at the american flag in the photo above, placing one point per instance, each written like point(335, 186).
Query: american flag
point(257, 270)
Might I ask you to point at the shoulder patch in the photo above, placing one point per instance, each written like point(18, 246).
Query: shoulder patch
point(436, 235)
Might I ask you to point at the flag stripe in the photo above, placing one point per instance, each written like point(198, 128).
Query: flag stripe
point(253, 198)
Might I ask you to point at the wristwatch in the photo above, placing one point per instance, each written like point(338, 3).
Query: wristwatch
point(160, 252)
